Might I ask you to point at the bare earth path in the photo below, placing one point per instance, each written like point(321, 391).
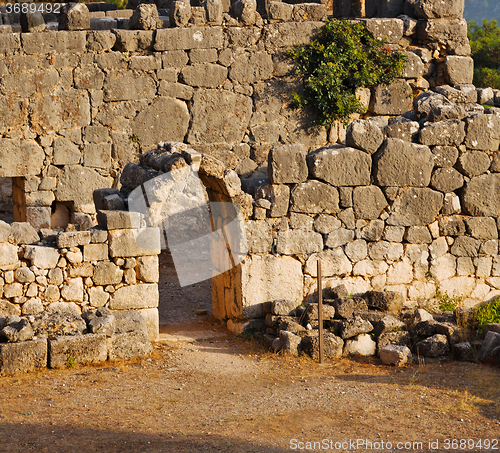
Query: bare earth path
point(227, 395)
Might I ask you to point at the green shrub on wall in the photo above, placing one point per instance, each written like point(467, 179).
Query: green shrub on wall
point(485, 48)
point(344, 57)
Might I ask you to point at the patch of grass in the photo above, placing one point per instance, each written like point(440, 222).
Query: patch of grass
point(133, 138)
point(447, 303)
point(488, 313)
point(71, 362)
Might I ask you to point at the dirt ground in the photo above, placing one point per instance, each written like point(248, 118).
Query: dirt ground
point(225, 394)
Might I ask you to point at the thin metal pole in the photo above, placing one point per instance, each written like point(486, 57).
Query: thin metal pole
point(320, 313)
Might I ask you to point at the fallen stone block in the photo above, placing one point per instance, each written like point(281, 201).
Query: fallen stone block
point(129, 345)
point(23, 357)
point(332, 346)
point(361, 345)
point(81, 349)
point(435, 346)
point(393, 354)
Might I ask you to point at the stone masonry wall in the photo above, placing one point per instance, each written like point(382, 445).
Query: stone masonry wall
point(410, 205)
point(80, 271)
point(77, 106)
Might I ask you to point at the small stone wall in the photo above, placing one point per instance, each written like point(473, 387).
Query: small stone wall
point(51, 281)
point(79, 105)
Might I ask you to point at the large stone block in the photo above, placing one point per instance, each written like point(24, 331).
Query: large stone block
point(340, 166)
point(23, 357)
point(390, 29)
point(219, 116)
point(287, 164)
point(73, 239)
point(107, 273)
point(437, 9)
point(258, 280)
point(125, 243)
point(474, 163)
point(313, 197)
point(206, 75)
point(8, 255)
point(278, 195)
point(364, 135)
point(121, 85)
point(446, 180)
point(165, 119)
point(135, 296)
point(78, 183)
point(74, 16)
point(289, 34)
point(147, 269)
point(391, 99)
point(189, 38)
point(152, 322)
point(58, 41)
point(65, 152)
point(483, 132)
point(42, 257)
point(333, 263)
point(83, 349)
point(442, 133)
point(252, 67)
point(128, 345)
point(416, 206)
point(368, 202)
point(459, 70)
point(401, 164)
point(20, 157)
point(119, 220)
point(259, 236)
point(480, 196)
point(299, 242)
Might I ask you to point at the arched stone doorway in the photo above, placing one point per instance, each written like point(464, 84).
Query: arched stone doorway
point(179, 304)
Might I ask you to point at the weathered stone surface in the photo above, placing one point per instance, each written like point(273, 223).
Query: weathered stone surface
point(77, 184)
point(339, 237)
point(480, 196)
point(340, 166)
point(434, 346)
point(451, 226)
point(401, 164)
point(402, 128)
point(73, 239)
point(465, 246)
point(206, 75)
point(361, 345)
point(17, 330)
point(391, 29)
point(128, 345)
point(459, 70)
point(427, 101)
point(125, 243)
point(401, 338)
point(355, 326)
point(416, 206)
point(278, 11)
point(135, 296)
point(298, 242)
point(446, 180)
point(283, 307)
point(74, 16)
point(483, 132)
point(332, 346)
point(391, 99)
point(482, 228)
point(388, 301)
point(346, 306)
point(23, 357)
point(147, 269)
point(84, 349)
point(219, 116)
point(368, 202)
point(97, 296)
point(107, 273)
point(333, 262)
point(356, 250)
point(165, 119)
point(259, 236)
point(145, 17)
point(435, 9)
point(418, 235)
point(463, 352)
point(23, 233)
point(252, 67)
point(289, 341)
point(189, 38)
point(287, 164)
point(364, 135)
point(447, 112)
point(395, 355)
point(32, 22)
point(42, 257)
point(474, 163)
point(490, 343)
point(214, 10)
point(443, 133)
point(313, 197)
point(20, 158)
point(385, 250)
point(326, 223)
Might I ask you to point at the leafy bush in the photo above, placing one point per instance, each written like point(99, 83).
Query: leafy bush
point(447, 303)
point(488, 313)
point(344, 57)
point(485, 46)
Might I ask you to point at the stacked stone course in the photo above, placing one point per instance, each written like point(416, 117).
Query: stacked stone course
point(79, 105)
point(50, 280)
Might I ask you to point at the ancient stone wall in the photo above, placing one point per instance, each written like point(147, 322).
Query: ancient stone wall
point(77, 106)
point(410, 205)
